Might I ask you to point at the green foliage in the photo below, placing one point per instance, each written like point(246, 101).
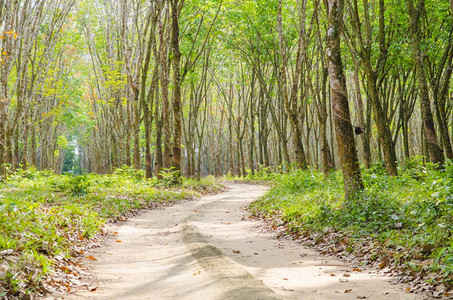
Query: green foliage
point(262, 174)
point(130, 173)
point(170, 177)
point(79, 185)
point(412, 212)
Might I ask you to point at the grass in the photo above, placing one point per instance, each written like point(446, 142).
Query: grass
point(405, 220)
point(44, 216)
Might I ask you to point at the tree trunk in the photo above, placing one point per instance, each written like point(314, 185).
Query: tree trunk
point(177, 112)
point(365, 137)
point(325, 150)
point(340, 107)
point(435, 152)
point(289, 101)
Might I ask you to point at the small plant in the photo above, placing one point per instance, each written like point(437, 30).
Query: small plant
point(79, 185)
point(130, 172)
point(170, 177)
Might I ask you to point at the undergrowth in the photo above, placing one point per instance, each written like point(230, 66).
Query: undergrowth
point(410, 216)
point(43, 215)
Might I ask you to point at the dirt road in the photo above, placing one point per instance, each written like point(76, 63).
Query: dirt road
point(210, 249)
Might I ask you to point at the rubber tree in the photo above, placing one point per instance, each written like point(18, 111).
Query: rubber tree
point(340, 107)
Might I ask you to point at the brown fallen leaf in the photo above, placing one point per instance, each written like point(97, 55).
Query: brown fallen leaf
point(236, 251)
point(357, 270)
point(91, 257)
point(285, 278)
point(228, 223)
point(361, 297)
point(346, 275)
point(383, 263)
point(93, 289)
point(118, 241)
point(64, 269)
point(115, 232)
point(333, 275)
point(347, 291)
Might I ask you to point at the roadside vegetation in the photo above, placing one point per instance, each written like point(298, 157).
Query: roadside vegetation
point(402, 222)
point(47, 219)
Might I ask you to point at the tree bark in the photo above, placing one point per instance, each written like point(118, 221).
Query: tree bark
point(340, 107)
point(177, 112)
point(435, 152)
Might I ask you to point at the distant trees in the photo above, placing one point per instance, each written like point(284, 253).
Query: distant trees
point(36, 81)
point(212, 87)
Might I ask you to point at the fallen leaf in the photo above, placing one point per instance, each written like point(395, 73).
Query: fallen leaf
point(93, 289)
point(91, 257)
point(346, 275)
point(64, 269)
point(333, 275)
point(347, 291)
point(197, 273)
point(361, 297)
point(285, 278)
point(357, 270)
point(118, 241)
point(236, 251)
point(115, 232)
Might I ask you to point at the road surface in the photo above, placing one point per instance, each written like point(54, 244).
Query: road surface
point(210, 249)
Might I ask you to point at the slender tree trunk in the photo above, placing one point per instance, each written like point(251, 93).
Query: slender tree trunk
point(439, 95)
point(177, 111)
point(289, 101)
point(148, 106)
point(340, 107)
point(326, 156)
point(435, 152)
point(164, 79)
point(365, 137)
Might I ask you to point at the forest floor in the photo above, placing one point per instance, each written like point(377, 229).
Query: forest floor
point(211, 248)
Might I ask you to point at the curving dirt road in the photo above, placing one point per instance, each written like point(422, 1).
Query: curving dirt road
point(209, 249)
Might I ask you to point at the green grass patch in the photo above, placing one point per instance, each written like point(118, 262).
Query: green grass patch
point(409, 218)
point(43, 215)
